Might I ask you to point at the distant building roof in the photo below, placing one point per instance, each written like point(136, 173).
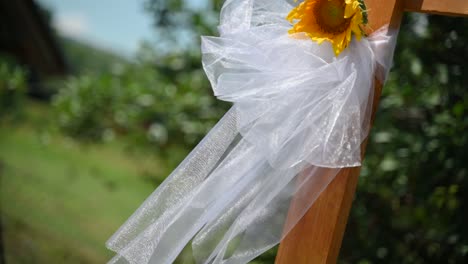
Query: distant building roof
point(26, 35)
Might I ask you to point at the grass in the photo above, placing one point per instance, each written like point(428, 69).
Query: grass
point(60, 201)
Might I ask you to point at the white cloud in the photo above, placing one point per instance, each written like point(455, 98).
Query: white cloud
point(71, 25)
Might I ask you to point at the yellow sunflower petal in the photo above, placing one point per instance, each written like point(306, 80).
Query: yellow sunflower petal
point(334, 21)
point(350, 10)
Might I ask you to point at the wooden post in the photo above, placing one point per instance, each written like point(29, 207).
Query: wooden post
point(317, 237)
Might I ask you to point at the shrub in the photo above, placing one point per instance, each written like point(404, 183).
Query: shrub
point(145, 105)
point(13, 87)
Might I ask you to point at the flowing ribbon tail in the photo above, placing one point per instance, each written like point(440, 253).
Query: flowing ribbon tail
point(256, 222)
point(136, 240)
point(233, 211)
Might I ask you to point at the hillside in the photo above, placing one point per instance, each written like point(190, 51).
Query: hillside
point(83, 57)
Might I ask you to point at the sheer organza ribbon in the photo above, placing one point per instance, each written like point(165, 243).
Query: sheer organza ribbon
point(299, 115)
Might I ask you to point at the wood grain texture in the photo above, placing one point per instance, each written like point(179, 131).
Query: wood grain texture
point(317, 237)
point(441, 7)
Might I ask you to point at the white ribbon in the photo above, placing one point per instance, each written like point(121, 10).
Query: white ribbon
point(299, 115)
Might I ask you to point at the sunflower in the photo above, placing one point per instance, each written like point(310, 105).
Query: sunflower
point(330, 20)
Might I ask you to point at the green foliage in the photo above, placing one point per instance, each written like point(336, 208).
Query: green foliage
point(412, 201)
point(182, 22)
point(170, 109)
point(13, 87)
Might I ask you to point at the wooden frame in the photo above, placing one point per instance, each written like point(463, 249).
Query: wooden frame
point(317, 237)
point(441, 7)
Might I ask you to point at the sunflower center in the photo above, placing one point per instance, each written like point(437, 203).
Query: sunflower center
point(330, 16)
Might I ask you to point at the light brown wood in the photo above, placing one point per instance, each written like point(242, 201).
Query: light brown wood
point(441, 7)
point(317, 237)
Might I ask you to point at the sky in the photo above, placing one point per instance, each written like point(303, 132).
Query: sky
point(117, 25)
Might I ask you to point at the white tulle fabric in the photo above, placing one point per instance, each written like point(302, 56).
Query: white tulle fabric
point(299, 115)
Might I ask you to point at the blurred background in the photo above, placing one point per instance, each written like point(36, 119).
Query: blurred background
point(100, 100)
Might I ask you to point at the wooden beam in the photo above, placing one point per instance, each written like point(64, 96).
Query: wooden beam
point(441, 7)
point(317, 237)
